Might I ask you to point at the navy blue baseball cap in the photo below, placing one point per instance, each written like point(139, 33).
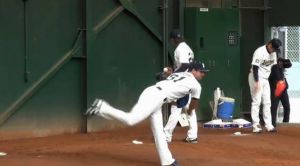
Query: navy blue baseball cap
point(199, 66)
point(276, 43)
point(176, 34)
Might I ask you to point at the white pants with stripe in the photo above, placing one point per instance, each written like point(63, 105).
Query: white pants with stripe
point(173, 120)
point(148, 105)
point(262, 96)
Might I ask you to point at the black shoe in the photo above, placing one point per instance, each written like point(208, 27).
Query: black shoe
point(175, 163)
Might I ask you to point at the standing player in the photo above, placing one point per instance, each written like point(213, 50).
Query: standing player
point(150, 102)
point(264, 58)
point(183, 55)
point(277, 74)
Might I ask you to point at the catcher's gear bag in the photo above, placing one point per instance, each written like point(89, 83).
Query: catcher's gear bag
point(280, 87)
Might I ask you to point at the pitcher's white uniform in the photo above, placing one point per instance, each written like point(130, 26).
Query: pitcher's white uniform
point(264, 60)
point(182, 54)
point(178, 85)
point(150, 102)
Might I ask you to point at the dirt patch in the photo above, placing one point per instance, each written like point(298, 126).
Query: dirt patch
point(115, 148)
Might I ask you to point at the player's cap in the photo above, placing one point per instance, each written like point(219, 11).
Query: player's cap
point(276, 43)
point(199, 66)
point(176, 34)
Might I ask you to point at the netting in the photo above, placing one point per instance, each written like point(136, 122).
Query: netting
point(292, 44)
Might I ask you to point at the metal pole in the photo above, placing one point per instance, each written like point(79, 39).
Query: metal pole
point(26, 71)
point(267, 32)
point(165, 32)
point(84, 54)
point(165, 109)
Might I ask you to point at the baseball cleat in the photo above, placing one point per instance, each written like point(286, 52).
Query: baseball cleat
point(99, 107)
point(175, 163)
point(191, 140)
point(93, 109)
point(273, 130)
point(257, 129)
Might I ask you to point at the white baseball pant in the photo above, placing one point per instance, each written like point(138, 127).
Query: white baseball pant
point(261, 96)
point(149, 104)
point(173, 120)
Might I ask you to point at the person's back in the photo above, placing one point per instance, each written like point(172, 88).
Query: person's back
point(178, 85)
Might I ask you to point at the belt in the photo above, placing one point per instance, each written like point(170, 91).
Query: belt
point(159, 88)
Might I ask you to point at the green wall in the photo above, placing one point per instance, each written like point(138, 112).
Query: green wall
point(41, 92)
point(208, 32)
point(57, 56)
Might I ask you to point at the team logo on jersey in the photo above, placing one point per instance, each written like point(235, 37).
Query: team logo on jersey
point(267, 62)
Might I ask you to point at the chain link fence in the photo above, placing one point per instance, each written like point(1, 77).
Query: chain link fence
point(292, 43)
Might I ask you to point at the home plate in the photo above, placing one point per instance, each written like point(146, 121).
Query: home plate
point(3, 154)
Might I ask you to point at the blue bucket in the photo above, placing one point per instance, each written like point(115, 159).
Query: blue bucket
point(225, 108)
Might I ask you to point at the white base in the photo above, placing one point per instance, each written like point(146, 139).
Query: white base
point(235, 123)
